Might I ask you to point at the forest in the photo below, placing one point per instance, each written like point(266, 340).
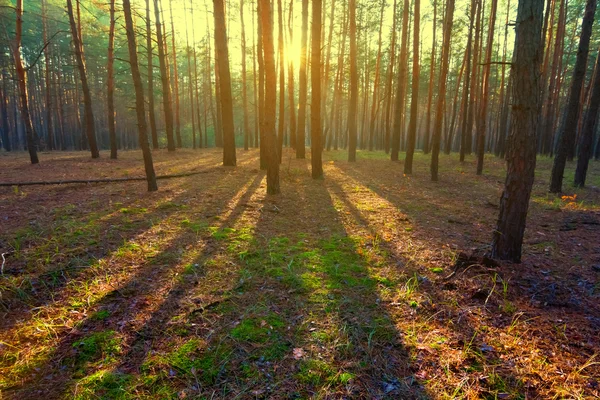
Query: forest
point(299, 199)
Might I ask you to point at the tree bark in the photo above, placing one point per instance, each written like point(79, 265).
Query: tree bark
point(175, 78)
point(229, 158)
point(507, 239)
point(90, 127)
point(352, 135)
point(291, 94)
point(164, 78)
point(486, 88)
point(151, 108)
point(375, 101)
point(399, 108)
point(301, 131)
point(467, 83)
point(48, 80)
point(316, 148)
point(22, 84)
point(247, 132)
point(191, 80)
point(281, 125)
point(139, 99)
point(426, 139)
point(589, 127)
point(414, 102)
point(439, 115)
point(110, 92)
point(569, 130)
point(270, 98)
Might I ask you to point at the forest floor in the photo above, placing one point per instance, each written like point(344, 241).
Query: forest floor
point(366, 284)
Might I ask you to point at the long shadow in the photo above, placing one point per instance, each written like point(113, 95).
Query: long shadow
point(313, 285)
point(86, 240)
point(146, 279)
point(472, 309)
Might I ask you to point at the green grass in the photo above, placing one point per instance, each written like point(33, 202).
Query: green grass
point(102, 346)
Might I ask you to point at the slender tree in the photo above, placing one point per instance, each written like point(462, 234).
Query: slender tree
point(353, 84)
point(399, 107)
point(439, 114)
point(301, 131)
point(247, 133)
point(270, 98)
point(175, 78)
point(110, 84)
point(164, 78)
point(375, 101)
point(316, 148)
point(486, 88)
point(22, 83)
point(569, 130)
point(508, 236)
point(48, 80)
point(465, 127)
point(192, 81)
point(150, 71)
point(90, 127)
point(291, 94)
point(224, 84)
point(432, 67)
point(281, 125)
point(586, 146)
point(414, 102)
point(139, 98)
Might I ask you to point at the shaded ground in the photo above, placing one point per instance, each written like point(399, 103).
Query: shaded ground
point(367, 284)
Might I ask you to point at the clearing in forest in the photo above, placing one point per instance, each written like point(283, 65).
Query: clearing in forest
point(366, 284)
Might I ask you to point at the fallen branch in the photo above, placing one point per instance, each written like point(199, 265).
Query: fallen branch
point(104, 180)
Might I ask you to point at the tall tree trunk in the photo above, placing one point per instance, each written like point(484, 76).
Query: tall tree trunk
point(467, 83)
point(486, 88)
point(270, 97)
point(175, 78)
point(474, 80)
point(327, 128)
point(280, 129)
point(193, 83)
point(200, 134)
point(507, 239)
point(110, 92)
point(414, 102)
point(439, 114)
point(569, 130)
point(375, 102)
point(247, 132)
point(586, 146)
point(301, 131)
point(291, 94)
point(389, 90)
point(547, 123)
point(352, 135)
point(164, 78)
point(4, 105)
point(90, 127)
point(261, 92)
point(316, 148)
point(150, 56)
point(254, 80)
point(399, 108)
point(22, 83)
point(48, 80)
point(139, 99)
point(224, 84)
point(426, 139)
